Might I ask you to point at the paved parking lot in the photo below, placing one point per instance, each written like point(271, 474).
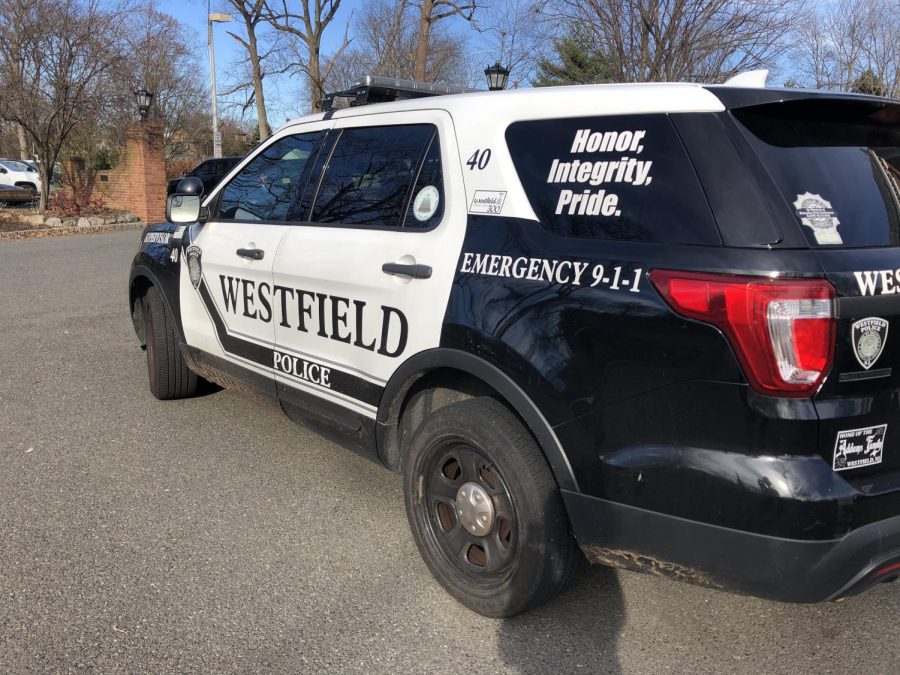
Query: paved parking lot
point(215, 535)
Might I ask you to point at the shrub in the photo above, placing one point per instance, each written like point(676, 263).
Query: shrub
point(177, 167)
point(66, 204)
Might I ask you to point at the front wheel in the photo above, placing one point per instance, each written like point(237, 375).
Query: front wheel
point(485, 511)
point(170, 377)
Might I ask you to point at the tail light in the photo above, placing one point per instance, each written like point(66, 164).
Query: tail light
point(782, 330)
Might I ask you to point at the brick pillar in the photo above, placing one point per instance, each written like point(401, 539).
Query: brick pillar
point(144, 171)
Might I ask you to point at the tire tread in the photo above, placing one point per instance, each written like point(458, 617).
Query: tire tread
point(560, 556)
point(174, 379)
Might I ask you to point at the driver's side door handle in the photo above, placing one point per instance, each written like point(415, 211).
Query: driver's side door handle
point(251, 253)
point(414, 271)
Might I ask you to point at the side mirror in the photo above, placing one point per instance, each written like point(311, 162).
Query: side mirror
point(183, 209)
point(189, 185)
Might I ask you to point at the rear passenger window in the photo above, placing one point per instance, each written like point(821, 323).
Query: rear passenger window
point(368, 178)
point(621, 177)
point(268, 188)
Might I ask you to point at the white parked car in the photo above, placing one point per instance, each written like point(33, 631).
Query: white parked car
point(19, 173)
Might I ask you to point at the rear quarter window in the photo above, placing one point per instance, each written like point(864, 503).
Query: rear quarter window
point(625, 178)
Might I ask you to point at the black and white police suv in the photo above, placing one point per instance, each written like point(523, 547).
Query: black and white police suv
point(657, 323)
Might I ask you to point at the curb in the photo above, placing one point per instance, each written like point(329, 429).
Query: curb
point(57, 231)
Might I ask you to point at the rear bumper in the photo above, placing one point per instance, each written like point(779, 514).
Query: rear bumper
point(790, 570)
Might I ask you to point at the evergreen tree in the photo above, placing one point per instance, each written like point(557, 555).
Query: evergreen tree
point(869, 83)
point(577, 61)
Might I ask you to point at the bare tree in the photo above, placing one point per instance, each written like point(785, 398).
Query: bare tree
point(252, 13)
point(56, 57)
point(23, 142)
point(165, 63)
point(430, 12)
point(308, 24)
point(384, 43)
point(9, 143)
point(514, 35)
point(384, 34)
point(813, 56)
point(665, 40)
point(839, 44)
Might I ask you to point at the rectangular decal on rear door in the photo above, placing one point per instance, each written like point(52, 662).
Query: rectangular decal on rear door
point(857, 448)
point(488, 201)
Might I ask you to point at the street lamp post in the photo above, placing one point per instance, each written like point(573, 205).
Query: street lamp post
point(497, 76)
point(217, 135)
point(144, 99)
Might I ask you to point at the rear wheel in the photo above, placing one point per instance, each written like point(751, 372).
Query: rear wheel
point(168, 372)
point(485, 511)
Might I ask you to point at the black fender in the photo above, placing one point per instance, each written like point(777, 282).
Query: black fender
point(142, 270)
point(423, 362)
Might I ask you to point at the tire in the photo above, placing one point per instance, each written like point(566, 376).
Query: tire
point(169, 375)
point(521, 552)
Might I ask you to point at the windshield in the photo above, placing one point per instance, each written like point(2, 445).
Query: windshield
point(836, 163)
point(13, 165)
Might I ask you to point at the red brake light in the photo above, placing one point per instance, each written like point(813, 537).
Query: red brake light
point(782, 330)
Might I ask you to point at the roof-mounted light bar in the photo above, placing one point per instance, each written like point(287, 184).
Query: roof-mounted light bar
point(374, 89)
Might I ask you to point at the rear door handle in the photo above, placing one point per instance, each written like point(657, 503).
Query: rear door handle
point(414, 271)
point(251, 253)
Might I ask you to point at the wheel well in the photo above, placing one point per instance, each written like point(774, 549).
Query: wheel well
point(431, 391)
point(139, 287)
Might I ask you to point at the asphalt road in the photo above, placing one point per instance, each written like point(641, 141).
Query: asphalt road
point(215, 535)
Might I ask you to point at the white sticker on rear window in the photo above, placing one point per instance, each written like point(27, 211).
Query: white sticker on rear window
point(857, 448)
point(426, 203)
point(817, 214)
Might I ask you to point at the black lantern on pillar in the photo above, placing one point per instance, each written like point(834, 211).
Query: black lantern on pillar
point(497, 76)
point(143, 98)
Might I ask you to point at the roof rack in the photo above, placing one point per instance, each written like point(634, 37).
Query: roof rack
point(374, 89)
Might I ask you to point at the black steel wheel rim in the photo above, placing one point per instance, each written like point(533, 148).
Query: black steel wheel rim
point(482, 560)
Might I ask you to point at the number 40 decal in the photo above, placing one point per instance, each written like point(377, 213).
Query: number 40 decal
point(479, 159)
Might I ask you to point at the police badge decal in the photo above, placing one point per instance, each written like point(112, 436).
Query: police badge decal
point(818, 215)
point(868, 337)
point(193, 262)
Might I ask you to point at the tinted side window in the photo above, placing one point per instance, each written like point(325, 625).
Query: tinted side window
point(368, 177)
point(269, 186)
point(427, 203)
point(619, 177)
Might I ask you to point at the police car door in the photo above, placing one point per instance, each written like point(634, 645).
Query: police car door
point(367, 277)
point(227, 309)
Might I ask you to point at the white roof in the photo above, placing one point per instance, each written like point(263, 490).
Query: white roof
point(548, 102)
